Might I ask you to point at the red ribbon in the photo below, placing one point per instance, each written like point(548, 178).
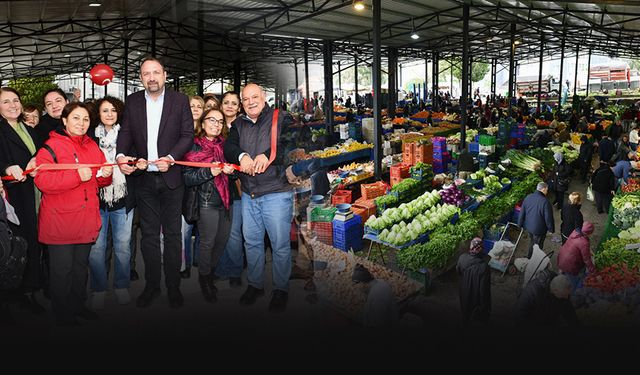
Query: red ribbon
point(56, 166)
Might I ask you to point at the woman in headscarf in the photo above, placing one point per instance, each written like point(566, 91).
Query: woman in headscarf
point(561, 178)
point(575, 255)
point(475, 285)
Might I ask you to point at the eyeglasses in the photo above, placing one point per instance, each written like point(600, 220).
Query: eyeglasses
point(213, 120)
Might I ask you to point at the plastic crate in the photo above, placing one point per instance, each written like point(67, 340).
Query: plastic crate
point(374, 190)
point(399, 170)
point(487, 245)
point(320, 214)
point(323, 232)
point(341, 196)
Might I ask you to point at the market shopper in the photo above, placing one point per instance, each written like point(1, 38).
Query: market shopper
point(584, 158)
point(575, 255)
point(536, 216)
point(380, 309)
point(571, 216)
point(475, 285)
point(606, 148)
point(633, 137)
point(622, 169)
point(603, 183)
point(544, 303)
point(561, 178)
point(267, 196)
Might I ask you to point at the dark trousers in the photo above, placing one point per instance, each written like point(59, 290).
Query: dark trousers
point(160, 208)
point(535, 239)
point(559, 198)
point(212, 240)
point(69, 268)
point(584, 169)
point(603, 201)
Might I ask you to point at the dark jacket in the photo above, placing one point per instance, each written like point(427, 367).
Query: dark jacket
point(208, 195)
point(586, 153)
point(46, 125)
point(536, 215)
point(575, 255)
point(561, 176)
point(255, 139)
point(571, 219)
point(622, 153)
point(175, 136)
point(606, 148)
point(475, 287)
point(21, 195)
point(538, 307)
point(603, 180)
point(5, 242)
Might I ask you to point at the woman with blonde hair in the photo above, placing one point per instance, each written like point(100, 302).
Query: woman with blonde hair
point(571, 216)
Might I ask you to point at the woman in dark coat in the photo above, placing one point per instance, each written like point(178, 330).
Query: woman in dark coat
point(584, 159)
point(475, 285)
point(571, 216)
point(18, 145)
point(561, 177)
point(603, 183)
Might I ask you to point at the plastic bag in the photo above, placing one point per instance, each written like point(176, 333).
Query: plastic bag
point(590, 195)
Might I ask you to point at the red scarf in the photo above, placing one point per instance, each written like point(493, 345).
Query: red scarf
point(211, 152)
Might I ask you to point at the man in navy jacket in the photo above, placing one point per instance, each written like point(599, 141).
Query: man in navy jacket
point(536, 216)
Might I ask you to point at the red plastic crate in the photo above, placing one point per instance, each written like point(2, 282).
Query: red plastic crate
point(374, 190)
point(395, 180)
point(408, 153)
point(323, 231)
point(399, 171)
point(341, 196)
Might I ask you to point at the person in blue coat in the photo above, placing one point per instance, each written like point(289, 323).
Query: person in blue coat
point(536, 216)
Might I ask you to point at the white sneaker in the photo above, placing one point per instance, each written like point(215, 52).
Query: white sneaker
point(122, 295)
point(97, 300)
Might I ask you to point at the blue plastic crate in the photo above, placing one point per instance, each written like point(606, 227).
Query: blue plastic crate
point(487, 245)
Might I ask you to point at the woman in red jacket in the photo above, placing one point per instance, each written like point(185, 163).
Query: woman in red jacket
point(69, 217)
point(575, 254)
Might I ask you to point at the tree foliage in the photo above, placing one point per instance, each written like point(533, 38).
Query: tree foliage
point(478, 69)
point(32, 89)
point(364, 77)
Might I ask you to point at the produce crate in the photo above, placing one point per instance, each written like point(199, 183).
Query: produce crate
point(363, 212)
point(374, 190)
point(319, 214)
point(487, 245)
point(408, 153)
point(348, 234)
point(341, 196)
point(399, 171)
point(395, 180)
point(423, 276)
point(323, 231)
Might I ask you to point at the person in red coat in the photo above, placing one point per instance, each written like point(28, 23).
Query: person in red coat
point(575, 254)
point(69, 218)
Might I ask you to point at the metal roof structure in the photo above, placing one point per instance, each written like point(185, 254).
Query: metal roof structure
point(56, 37)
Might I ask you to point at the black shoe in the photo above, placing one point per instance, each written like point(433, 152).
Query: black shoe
point(29, 302)
point(176, 299)
point(204, 287)
point(87, 314)
point(147, 297)
point(133, 276)
point(250, 295)
point(278, 301)
point(186, 273)
point(235, 282)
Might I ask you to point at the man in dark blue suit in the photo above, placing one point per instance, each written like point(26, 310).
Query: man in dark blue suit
point(157, 129)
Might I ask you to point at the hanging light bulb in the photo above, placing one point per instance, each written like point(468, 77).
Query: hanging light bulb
point(414, 35)
point(358, 5)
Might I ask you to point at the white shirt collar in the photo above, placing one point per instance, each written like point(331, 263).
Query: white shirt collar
point(148, 97)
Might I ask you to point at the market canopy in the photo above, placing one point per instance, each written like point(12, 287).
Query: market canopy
point(56, 37)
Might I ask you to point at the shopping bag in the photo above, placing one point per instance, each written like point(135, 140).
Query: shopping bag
point(590, 193)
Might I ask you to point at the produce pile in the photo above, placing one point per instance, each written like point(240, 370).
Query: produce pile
point(340, 149)
point(632, 186)
point(614, 284)
point(570, 154)
point(524, 161)
point(454, 196)
point(626, 211)
point(335, 286)
point(613, 252)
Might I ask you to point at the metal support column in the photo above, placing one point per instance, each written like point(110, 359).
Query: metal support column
point(126, 67)
point(236, 76)
point(306, 74)
point(106, 62)
point(176, 83)
point(494, 70)
point(465, 76)
point(200, 59)
point(327, 54)
point(512, 56)
point(84, 84)
point(575, 77)
point(470, 78)
point(355, 78)
point(426, 79)
point(540, 73)
point(297, 80)
point(153, 37)
point(588, 71)
point(561, 70)
point(435, 70)
point(376, 81)
point(392, 67)
point(339, 78)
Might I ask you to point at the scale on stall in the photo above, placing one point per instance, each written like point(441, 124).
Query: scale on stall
point(344, 212)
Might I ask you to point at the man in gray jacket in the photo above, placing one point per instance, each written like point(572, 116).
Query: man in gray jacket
point(267, 196)
point(536, 216)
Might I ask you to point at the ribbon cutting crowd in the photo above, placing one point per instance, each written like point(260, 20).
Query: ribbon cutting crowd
point(86, 171)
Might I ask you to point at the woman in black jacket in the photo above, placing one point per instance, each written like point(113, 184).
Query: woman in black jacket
point(584, 159)
point(215, 195)
point(561, 178)
point(571, 216)
point(603, 184)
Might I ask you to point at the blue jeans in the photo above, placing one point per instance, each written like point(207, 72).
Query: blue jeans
point(273, 213)
point(121, 223)
point(189, 249)
point(231, 262)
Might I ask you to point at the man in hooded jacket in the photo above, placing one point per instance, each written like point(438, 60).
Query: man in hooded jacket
point(475, 285)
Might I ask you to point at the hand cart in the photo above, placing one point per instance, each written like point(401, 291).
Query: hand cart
point(503, 265)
